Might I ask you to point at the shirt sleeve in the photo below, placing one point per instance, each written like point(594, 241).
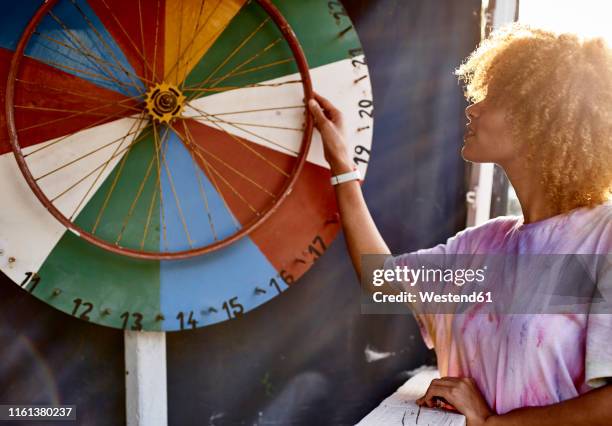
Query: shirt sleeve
point(598, 359)
point(441, 254)
point(468, 241)
point(424, 321)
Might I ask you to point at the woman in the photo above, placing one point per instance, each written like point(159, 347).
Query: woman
point(541, 108)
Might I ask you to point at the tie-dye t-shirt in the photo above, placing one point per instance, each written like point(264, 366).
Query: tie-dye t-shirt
point(521, 360)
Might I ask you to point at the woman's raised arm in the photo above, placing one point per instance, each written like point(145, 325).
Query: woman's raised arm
point(361, 234)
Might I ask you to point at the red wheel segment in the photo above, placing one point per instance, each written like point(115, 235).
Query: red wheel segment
point(247, 228)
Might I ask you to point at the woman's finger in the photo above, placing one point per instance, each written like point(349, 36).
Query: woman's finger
point(445, 381)
point(334, 113)
point(434, 393)
point(325, 103)
point(317, 112)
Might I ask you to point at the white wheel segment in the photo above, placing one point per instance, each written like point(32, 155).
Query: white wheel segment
point(29, 232)
point(223, 110)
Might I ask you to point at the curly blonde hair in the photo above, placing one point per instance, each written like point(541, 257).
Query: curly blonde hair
point(557, 89)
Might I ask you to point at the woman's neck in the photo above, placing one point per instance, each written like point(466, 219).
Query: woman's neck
point(531, 194)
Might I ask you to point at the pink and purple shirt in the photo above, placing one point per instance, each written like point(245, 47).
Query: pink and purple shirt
point(521, 360)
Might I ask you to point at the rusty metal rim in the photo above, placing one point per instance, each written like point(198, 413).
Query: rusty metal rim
point(302, 64)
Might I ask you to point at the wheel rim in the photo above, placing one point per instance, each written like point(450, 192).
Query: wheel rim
point(165, 108)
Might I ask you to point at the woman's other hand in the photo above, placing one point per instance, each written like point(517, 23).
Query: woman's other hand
point(461, 394)
point(329, 120)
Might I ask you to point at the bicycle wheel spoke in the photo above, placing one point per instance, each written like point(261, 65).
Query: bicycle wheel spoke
point(62, 138)
point(200, 185)
point(244, 144)
point(148, 221)
point(141, 53)
point(213, 180)
point(202, 192)
point(234, 52)
point(245, 86)
point(158, 150)
point(186, 177)
point(80, 71)
point(233, 169)
point(142, 37)
point(118, 154)
point(252, 70)
point(215, 122)
point(224, 180)
point(234, 70)
point(164, 161)
point(179, 39)
point(96, 180)
point(81, 157)
point(198, 44)
point(64, 91)
point(217, 114)
point(104, 43)
point(194, 32)
point(110, 192)
point(157, 190)
point(75, 41)
point(228, 166)
point(135, 201)
point(86, 69)
point(80, 113)
point(96, 58)
point(155, 42)
point(37, 108)
point(181, 54)
point(205, 119)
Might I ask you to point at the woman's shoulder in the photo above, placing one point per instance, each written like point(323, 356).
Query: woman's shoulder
point(601, 213)
point(593, 228)
point(589, 220)
point(493, 226)
point(495, 233)
point(492, 231)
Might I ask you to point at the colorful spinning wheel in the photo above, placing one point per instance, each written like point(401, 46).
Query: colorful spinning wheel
point(161, 169)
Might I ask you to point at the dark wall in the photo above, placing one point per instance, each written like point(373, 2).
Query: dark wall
point(301, 358)
point(48, 357)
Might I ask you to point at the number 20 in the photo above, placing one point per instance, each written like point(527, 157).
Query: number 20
point(363, 104)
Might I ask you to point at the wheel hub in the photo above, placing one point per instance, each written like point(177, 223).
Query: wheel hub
point(164, 102)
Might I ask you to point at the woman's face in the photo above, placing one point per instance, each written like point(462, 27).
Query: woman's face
point(487, 137)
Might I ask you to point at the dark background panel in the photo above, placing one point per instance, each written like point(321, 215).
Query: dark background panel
point(48, 357)
point(304, 358)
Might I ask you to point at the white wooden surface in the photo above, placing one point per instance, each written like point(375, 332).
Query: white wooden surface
point(400, 409)
point(145, 380)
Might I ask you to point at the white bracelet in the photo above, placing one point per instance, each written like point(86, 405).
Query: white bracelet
point(345, 177)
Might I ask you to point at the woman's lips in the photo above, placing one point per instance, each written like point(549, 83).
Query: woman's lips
point(468, 132)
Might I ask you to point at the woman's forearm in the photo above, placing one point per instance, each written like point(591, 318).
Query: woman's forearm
point(593, 408)
point(360, 232)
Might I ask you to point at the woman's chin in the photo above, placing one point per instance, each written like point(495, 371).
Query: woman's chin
point(468, 153)
point(473, 155)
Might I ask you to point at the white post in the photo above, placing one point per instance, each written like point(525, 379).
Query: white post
point(145, 379)
point(479, 195)
point(479, 198)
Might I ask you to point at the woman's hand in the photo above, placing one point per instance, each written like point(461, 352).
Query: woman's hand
point(460, 394)
point(328, 119)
